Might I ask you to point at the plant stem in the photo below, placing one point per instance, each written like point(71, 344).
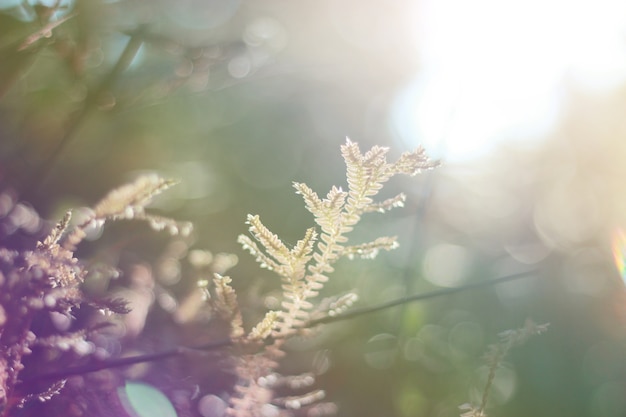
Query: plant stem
point(40, 175)
point(220, 344)
point(418, 297)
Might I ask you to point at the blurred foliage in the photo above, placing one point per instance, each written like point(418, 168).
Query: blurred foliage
point(238, 99)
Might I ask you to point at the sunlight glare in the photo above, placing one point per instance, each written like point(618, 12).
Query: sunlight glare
point(494, 70)
point(619, 252)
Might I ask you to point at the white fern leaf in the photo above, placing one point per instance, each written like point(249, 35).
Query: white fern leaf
point(263, 260)
point(386, 205)
point(270, 241)
point(369, 250)
point(265, 326)
point(130, 199)
point(312, 202)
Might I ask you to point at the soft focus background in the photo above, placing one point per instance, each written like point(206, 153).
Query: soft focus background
point(524, 103)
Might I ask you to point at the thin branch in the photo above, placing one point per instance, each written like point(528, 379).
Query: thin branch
point(130, 51)
point(417, 297)
point(18, 64)
point(220, 344)
point(44, 32)
point(128, 361)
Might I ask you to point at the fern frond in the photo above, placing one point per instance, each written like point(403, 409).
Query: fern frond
point(129, 200)
point(388, 204)
point(412, 163)
point(74, 341)
point(356, 175)
point(66, 271)
point(270, 242)
point(375, 157)
point(311, 201)
point(329, 215)
point(299, 257)
point(304, 268)
point(362, 170)
point(44, 396)
point(172, 226)
point(296, 402)
point(494, 357)
point(331, 306)
point(263, 260)
point(294, 382)
point(57, 232)
point(369, 250)
point(226, 305)
point(250, 400)
point(253, 394)
point(304, 247)
point(265, 326)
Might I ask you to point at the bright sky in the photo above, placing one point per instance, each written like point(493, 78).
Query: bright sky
point(494, 70)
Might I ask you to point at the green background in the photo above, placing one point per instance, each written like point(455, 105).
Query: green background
point(237, 100)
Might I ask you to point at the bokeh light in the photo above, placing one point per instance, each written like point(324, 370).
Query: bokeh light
point(143, 400)
point(25, 10)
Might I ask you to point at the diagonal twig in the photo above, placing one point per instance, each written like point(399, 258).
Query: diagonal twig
point(39, 176)
point(223, 343)
point(44, 32)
